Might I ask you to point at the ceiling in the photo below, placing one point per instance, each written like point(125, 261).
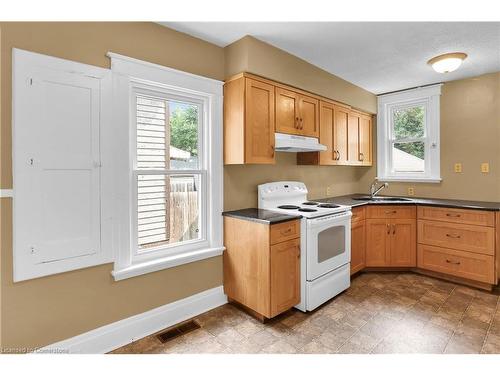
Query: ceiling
point(377, 56)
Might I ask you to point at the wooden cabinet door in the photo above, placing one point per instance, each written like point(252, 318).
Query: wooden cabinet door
point(309, 116)
point(403, 239)
point(377, 242)
point(353, 139)
point(259, 122)
point(287, 112)
point(285, 276)
point(365, 140)
point(340, 140)
point(357, 246)
point(326, 125)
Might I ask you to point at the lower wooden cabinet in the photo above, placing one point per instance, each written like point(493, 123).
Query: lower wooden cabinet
point(464, 264)
point(285, 276)
point(262, 265)
point(358, 239)
point(391, 243)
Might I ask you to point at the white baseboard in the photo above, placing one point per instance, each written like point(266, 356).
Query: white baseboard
point(122, 332)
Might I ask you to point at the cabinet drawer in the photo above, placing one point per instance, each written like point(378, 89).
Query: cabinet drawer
point(456, 215)
point(285, 231)
point(391, 211)
point(457, 263)
point(473, 238)
point(358, 214)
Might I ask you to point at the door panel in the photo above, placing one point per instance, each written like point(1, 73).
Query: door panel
point(377, 242)
point(259, 124)
point(285, 276)
point(67, 156)
point(365, 140)
point(357, 246)
point(326, 124)
point(340, 140)
point(287, 111)
point(309, 116)
point(403, 250)
point(353, 139)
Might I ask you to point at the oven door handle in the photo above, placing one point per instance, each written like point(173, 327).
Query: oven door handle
point(326, 222)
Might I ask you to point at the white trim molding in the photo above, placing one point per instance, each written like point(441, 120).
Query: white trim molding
point(132, 76)
point(427, 97)
point(112, 336)
point(6, 193)
point(165, 262)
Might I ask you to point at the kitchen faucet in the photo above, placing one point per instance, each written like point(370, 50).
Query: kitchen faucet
point(374, 190)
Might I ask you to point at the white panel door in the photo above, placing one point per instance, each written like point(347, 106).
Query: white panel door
point(67, 162)
point(57, 124)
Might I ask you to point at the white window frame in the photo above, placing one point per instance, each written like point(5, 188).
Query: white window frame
point(130, 77)
point(429, 98)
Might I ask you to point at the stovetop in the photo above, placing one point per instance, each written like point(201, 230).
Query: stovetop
point(309, 209)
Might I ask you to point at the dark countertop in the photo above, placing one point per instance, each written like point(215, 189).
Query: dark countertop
point(452, 203)
point(260, 216)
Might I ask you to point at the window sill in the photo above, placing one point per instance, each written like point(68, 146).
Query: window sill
point(166, 262)
point(410, 179)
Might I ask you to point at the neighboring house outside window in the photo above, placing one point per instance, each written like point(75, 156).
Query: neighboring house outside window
point(408, 135)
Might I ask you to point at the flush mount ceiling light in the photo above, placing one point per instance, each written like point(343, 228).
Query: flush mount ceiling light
point(448, 62)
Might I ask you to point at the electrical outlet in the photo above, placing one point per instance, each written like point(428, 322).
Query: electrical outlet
point(458, 167)
point(328, 191)
point(411, 191)
point(485, 167)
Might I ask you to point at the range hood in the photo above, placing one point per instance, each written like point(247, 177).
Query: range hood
point(296, 143)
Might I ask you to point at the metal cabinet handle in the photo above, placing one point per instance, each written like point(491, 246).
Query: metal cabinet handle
point(285, 232)
point(361, 156)
point(452, 235)
point(455, 215)
point(388, 229)
point(390, 212)
point(272, 150)
point(296, 125)
point(451, 262)
point(298, 251)
point(301, 124)
point(338, 155)
point(394, 229)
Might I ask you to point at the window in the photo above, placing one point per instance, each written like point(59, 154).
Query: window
point(168, 170)
point(408, 135)
point(173, 178)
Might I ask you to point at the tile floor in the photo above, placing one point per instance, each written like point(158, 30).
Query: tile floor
point(380, 313)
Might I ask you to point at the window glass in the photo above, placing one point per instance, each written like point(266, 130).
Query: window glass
point(167, 203)
point(409, 123)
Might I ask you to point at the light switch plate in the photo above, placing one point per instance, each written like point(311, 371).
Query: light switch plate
point(328, 191)
point(411, 191)
point(458, 167)
point(485, 167)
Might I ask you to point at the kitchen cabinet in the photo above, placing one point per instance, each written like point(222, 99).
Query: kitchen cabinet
point(255, 108)
point(248, 122)
point(262, 265)
point(358, 239)
point(296, 113)
point(391, 236)
point(458, 242)
point(347, 134)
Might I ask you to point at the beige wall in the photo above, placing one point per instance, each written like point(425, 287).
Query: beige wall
point(42, 311)
point(470, 134)
point(254, 56)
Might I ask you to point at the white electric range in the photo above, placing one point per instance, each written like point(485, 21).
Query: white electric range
point(325, 240)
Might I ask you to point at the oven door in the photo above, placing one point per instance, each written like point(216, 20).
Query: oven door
point(328, 244)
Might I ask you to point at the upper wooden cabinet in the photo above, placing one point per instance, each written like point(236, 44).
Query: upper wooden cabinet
point(248, 122)
point(347, 134)
point(296, 113)
point(255, 108)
